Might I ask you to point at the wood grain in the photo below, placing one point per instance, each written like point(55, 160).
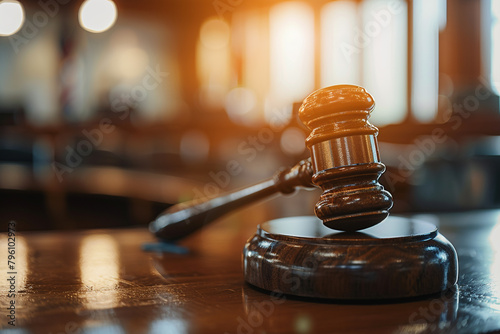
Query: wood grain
point(205, 292)
point(345, 158)
point(350, 265)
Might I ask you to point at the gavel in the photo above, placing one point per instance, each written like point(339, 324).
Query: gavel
point(344, 163)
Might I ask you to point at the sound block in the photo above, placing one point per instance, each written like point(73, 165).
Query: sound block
point(398, 258)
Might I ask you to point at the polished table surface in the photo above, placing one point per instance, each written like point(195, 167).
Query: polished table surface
point(101, 281)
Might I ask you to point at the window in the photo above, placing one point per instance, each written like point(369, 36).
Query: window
point(289, 49)
point(428, 20)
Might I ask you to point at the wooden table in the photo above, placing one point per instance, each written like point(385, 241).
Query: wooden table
point(100, 281)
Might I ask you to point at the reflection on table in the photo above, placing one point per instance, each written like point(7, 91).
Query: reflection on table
point(101, 281)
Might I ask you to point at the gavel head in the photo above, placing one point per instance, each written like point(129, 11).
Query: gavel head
point(345, 157)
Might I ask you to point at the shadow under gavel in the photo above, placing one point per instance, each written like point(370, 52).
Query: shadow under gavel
point(185, 218)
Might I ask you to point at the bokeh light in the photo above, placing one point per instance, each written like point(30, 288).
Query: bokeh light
point(214, 34)
point(213, 63)
point(11, 17)
point(240, 102)
point(292, 141)
point(291, 31)
point(99, 268)
point(97, 15)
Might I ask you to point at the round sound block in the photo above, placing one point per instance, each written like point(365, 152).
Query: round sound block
point(397, 258)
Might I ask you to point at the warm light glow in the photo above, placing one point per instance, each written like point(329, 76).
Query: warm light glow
point(426, 24)
point(99, 267)
point(291, 27)
point(128, 63)
point(383, 40)
point(340, 57)
point(97, 15)
point(240, 103)
point(213, 63)
point(276, 117)
point(495, 45)
point(214, 34)
point(292, 141)
point(251, 40)
point(303, 324)
point(11, 17)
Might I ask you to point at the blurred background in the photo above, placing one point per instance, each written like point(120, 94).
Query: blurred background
point(110, 111)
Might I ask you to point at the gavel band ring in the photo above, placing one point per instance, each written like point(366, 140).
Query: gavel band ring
point(344, 151)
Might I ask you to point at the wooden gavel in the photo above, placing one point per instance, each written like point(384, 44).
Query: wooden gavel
point(344, 162)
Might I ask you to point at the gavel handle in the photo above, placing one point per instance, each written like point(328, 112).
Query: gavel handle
point(182, 219)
